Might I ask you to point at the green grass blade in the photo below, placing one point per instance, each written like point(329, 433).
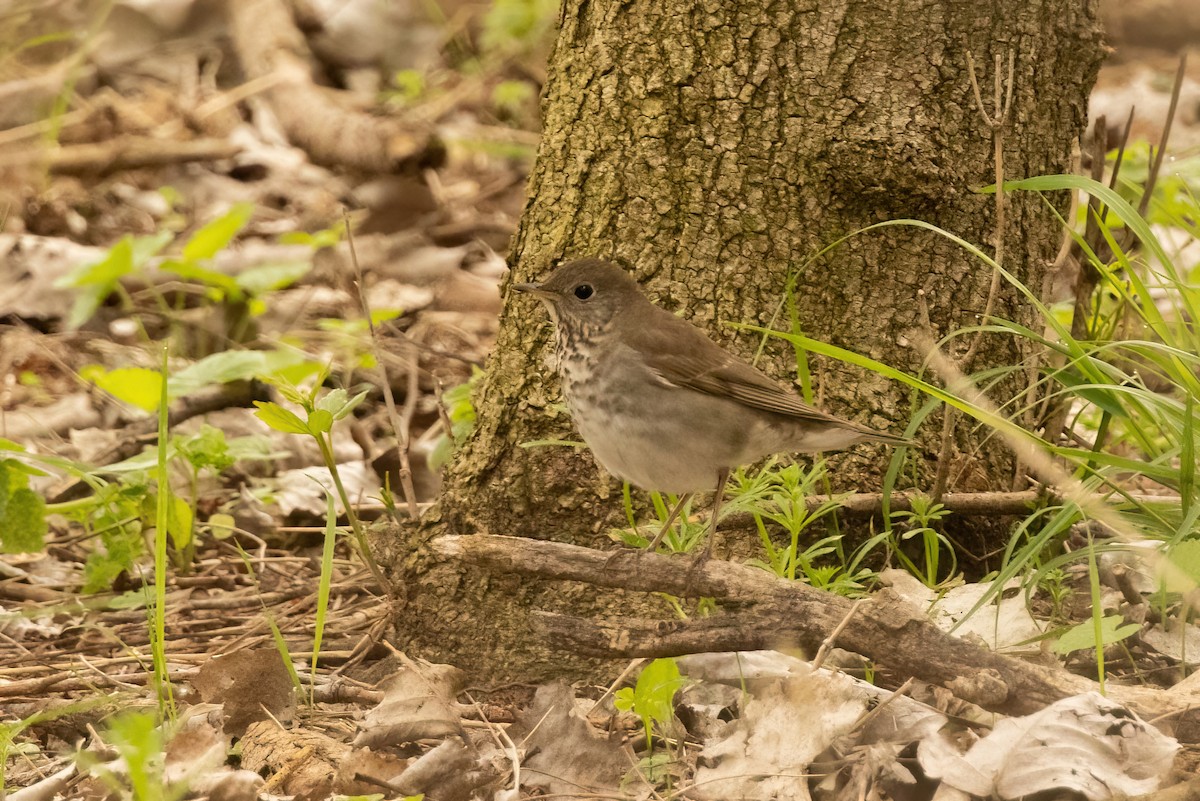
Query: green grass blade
point(323, 586)
point(162, 678)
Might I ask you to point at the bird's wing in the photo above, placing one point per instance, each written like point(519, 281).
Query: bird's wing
point(683, 356)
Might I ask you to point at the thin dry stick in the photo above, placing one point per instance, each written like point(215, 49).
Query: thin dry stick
point(827, 644)
point(1002, 101)
point(399, 424)
point(1152, 179)
point(1002, 105)
point(1089, 276)
point(874, 713)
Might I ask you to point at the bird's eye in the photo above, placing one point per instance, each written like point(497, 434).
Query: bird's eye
point(584, 291)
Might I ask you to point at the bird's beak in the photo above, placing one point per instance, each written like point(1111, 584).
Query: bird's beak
point(532, 289)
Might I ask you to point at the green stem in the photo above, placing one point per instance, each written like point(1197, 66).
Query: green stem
point(360, 536)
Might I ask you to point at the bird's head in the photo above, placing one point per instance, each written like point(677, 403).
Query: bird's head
point(587, 292)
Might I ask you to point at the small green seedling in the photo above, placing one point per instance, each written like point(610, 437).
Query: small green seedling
point(918, 522)
point(320, 415)
point(652, 698)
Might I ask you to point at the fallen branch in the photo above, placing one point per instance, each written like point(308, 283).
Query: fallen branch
point(126, 153)
point(316, 119)
point(886, 629)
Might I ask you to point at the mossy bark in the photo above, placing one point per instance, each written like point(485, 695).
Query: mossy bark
point(715, 148)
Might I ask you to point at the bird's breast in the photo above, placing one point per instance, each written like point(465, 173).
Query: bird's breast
point(639, 427)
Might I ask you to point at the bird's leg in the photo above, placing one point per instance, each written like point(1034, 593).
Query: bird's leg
point(662, 532)
point(706, 554)
point(608, 563)
point(718, 499)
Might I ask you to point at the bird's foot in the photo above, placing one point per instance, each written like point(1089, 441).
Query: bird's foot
point(696, 570)
point(620, 553)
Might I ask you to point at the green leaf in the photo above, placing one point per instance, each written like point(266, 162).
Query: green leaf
point(320, 421)
point(179, 521)
point(122, 545)
point(233, 365)
point(1102, 397)
point(321, 239)
point(1185, 557)
point(136, 386)
point(216, 235)
point(22, 511)
point(1084, 635)
point(509, 96)
point(333, 401)
point(147, 247)
point(294, 374)
point(338, 404)
point(106, 272)
point(134, 599)
point(222, 525)
point(269, 277)
point(280, 418)
point(97, 280)
point(193, 271)
point(623, 699)
point(653, 696)
point(206, 449)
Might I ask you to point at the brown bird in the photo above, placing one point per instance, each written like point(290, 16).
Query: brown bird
point(660, 404)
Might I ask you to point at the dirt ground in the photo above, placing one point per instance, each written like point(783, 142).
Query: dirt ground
point(187, 172)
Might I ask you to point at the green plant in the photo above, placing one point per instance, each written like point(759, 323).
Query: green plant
point(510, 98)
point(407, 87)
point(1144, 435)
point(1054, 584)
point(241, 296)
point(683, 537)
point(517, 26)
point(139, 740)
point(1101, 630)
point(652, 698)
point(779, 495)
point(460, 412)
point(10, 732)
point(166, 518)
point(22, 511)
point(320, 415)
point(918, 522)
point(350, 340)
point(122, 495)
point(323, 585)
point(98, 280)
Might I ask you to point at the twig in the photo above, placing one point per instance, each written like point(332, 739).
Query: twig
point(1152, 179)
point(997, 123)
point(827, 645)
point(400, 423)
point(126, 153)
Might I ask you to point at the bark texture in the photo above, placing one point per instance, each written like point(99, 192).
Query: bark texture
point(714, 148)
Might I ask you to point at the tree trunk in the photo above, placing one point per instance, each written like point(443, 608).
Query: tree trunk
point(714, 149)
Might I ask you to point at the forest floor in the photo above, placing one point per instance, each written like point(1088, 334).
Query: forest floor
point(157, 183)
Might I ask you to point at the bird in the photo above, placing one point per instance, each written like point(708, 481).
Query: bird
point(659, 403)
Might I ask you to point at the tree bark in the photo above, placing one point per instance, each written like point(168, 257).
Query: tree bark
point(715, 149)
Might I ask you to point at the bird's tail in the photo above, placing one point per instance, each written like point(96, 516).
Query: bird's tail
point(887, 439)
